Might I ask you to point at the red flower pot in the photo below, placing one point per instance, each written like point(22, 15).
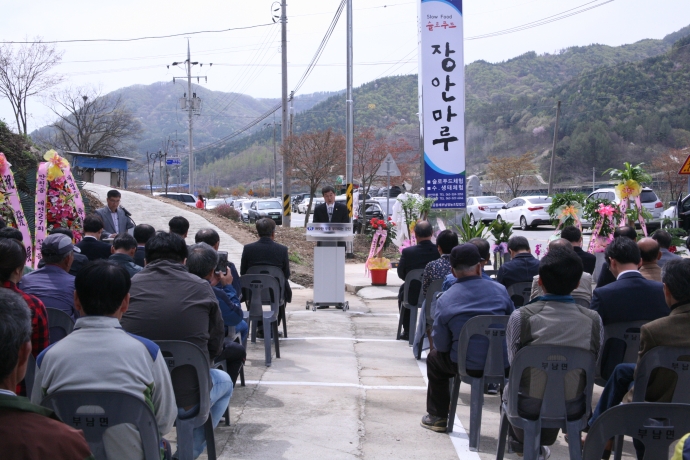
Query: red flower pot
point(379, 276)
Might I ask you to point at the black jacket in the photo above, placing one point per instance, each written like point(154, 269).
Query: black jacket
point(605, 276)
point(588, 260)
point(413, 258)
point(139, 256)
point(94, 249)
point(340, 214)
point(521, 269)
point(267, 252)
point(125, 262)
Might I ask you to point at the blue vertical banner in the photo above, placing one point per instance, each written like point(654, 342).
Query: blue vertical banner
point(442, 105)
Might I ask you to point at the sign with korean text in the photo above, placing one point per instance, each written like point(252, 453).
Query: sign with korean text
point(442, 102)
point(173, 161)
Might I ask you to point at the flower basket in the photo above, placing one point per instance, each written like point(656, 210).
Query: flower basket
point(379, 276)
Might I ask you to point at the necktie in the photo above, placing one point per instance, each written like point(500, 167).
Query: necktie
point(330, 213)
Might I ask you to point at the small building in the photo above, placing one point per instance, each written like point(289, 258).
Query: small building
point(108, 170)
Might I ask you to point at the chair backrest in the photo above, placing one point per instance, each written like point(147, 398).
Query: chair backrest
point(492, 327)
point(93, 412)
point(60, 324)
point(520, 293)
point(413, 280)
point(430, 299)
point(656, 425)
point(30, 375)
point(675, 359)
point(626, 333)
point(582, 302)
point(273, 271)
point(258, 288)
point(555, 362)
point(178, 354)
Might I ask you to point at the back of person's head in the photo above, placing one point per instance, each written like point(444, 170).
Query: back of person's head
point(518, 243)
point(15, 330)
point(624, 251)
point(423, 229)
point(202, 259)
point(483, 246)
point(560, 271)
point(663, 237)
point(208, 236)
point(560, 243)
point(327, 189)
point(63, 231)
point(124, 241)
point(464, 259)
point(12, 256)
point(165, 246)
point(572, 234)
point(676, 276)
point(92, 224)
point(179, 225)
point(11, 233)
point(628, 232)
point(143, 233)
point(447, 240)
point(113, 194)
point(265, 227)
point(56, 249)
point(101, 286)
point(649, 250)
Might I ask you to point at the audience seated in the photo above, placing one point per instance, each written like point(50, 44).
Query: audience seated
point(169, 303)
point(142, 233)
point(80, 260)
point(12, 259)
point(123, 250)
point(650, 253)
point(669, 331)
point(414, 258)
point(553, 319)
point(582, 291)
point(14, 234)
point(211, 237)
point(28, 431)
point(470, 296)
point(92, 246)
point(522, 266)
point(53, 284)
point(664, 239)
point(202, 261)
point(99, 355)
point(440, 268)
point(179, 226)
point(574, 235)
point(485, 253)
point(267, 252)
point(605, 275)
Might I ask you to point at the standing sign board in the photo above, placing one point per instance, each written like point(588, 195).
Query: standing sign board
point(442, 102)
point(173, 161)
point(685, 169)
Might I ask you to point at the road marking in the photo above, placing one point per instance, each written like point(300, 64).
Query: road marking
point(458, 437)
point(334, 384)
point(349, 339)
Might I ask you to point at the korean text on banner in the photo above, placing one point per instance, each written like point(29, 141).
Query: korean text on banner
point(442, 76)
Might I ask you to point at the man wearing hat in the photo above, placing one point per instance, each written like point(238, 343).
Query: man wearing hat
point(53, 284)
point(470, 296)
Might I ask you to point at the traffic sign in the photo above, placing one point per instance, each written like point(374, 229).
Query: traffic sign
point(685, 169)
point(173, 161)
point(388, 167)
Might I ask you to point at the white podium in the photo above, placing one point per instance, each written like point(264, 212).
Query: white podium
point(329, 264)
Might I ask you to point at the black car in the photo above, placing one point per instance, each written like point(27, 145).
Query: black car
point(373, 210)
point(392, 193)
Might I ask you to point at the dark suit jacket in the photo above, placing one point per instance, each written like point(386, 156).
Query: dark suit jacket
point(123, 222)
point(267, 252)
point(605, 276)
point(521, 269)
point(630, 298)
point(80, 260)
point(588, 260)
point(139, 256)
point(340, 214)
point(413, 258)
point(94, 249)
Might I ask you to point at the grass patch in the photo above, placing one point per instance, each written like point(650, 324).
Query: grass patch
point(294, 257)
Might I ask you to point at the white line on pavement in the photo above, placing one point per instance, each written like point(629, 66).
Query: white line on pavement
point(329, 384)
point(349, 339)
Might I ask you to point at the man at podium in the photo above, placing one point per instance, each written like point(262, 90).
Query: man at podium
point(331, 211)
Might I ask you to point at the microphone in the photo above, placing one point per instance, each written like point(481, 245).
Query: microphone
point(127, 213)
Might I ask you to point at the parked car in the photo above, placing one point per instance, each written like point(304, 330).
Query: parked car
point(483, 208)
point(186, 198)
point(244, 210)
point(266, 208)
point(305, 203)
point(213, 203)
point(297, 199)
point(392, 193)
point(526, 211)
point(373, 210)
point(648, 198)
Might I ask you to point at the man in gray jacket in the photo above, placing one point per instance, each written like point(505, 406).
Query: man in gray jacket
point(115, 219)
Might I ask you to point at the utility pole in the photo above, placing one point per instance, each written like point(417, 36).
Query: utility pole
point(350, 118)
point(284, 127)
point(593, 179)
point(275, 158)
point(553, 150)
point(192, 105)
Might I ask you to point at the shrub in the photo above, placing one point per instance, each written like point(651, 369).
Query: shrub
point(227, 211)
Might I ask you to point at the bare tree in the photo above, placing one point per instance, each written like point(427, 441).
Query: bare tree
point(25, 71)
point(512, 171)
point(313, 157)
point(92, 123)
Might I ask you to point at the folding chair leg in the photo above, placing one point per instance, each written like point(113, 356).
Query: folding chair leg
point(267, 341)
point(532, 440)
point(226, 416)
point(413, 325)
point(252, 325)
point(618, 448)
point(574, 443)
point(242, 375)
point(421, 345)
point(502, 436)
point(282, 313)
point(400, 324)
point(476, 403)
point(210, 439)
point(275, 338)
point(454, 394)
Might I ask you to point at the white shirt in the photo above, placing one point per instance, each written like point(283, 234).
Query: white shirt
point(626, 271)
point(115, 221)
point(7, 392)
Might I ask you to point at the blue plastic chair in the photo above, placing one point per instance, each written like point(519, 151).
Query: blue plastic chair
point(433, 289)
point(413, 277)
point(259, 287)
point(520, 293)
point(626, 333)
point(277, 273)
point(60, 324)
